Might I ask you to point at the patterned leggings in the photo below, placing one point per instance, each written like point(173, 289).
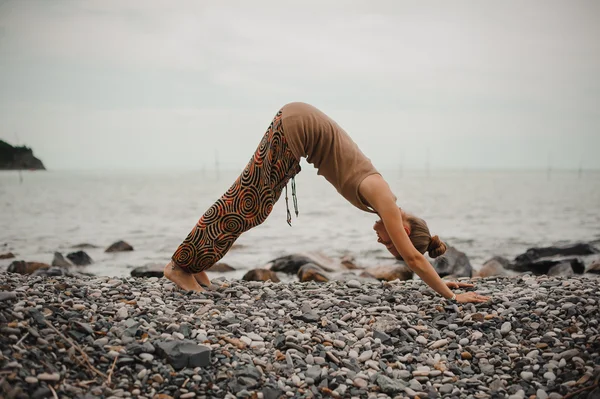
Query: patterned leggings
point(246, 204)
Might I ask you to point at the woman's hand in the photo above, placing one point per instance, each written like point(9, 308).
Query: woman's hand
point(455, 284)
point(471, 297)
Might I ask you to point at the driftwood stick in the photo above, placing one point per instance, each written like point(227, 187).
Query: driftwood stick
point(74, 345)
point(112, 368)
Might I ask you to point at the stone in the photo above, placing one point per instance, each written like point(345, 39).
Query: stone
point(388, 273)
point(487, 369)
point(568, 354)
point(366, 355)
point(383, 337)
point(360, 383)
point(506, 327)
point(494, 267)
point(314, 372)
point(272, 393)
point(438, 344)
point(312, 272)
point(309, 317)
point(541, 394)
point(122, 313)
point(184, 353)
point(594, 267)
point(526, 375)
point(550, 376)
point(49, 272)
point(85, 245)
point(23, 267)
point(562, 269)
point(446, 389)
point(7, 296)
point(261, 275)
point(453, 263)
point(353, 284)
point(80, 258)
point(390, 386)
point(119, 246)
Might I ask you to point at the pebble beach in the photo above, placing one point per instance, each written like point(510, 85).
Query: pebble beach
point(103, 337)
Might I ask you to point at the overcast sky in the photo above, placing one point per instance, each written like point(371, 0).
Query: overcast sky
point(168, 84)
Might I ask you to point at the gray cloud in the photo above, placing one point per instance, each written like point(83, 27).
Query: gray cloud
point(159, 84)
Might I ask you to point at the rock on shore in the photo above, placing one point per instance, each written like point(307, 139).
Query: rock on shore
point(122, 337)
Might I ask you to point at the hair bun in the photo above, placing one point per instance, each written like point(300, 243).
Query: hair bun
point(436, 247)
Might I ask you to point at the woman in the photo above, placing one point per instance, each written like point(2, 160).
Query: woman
point(300, 130)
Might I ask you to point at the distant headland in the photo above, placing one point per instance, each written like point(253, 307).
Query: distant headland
point(17, 158)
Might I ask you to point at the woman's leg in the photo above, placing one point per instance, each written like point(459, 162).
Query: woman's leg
point(202, 278)
point(246, 204)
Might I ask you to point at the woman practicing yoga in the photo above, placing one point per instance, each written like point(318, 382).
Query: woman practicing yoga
point(300, 130)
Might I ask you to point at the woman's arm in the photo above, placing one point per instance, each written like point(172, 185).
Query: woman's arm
point(378, 194)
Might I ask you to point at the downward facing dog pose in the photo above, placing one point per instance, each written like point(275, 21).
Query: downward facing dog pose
point(300, 130)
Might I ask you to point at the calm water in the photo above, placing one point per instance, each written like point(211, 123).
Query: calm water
point(481, 213)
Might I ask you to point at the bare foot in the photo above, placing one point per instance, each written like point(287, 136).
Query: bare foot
point(184, 280)
point(202, 278)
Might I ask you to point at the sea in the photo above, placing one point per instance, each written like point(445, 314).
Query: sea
point(482, 213)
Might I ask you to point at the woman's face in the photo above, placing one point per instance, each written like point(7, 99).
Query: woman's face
point(384, 238)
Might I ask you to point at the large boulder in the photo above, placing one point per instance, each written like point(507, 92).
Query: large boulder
point(80, 258)
point(594, 267)
point(562, 269)
point(494, 267)
point(60, 261)
point(50, 272)
point(544, 266)
point(119, 246)
point(388, 272)
point(292, 263)
point(578, 249)
point(155, 270)
point(22, 267)
point(220, 268)
point(261, 275)
point(453, 263)
point(312, 272)
point(289, 264)
point(349, 262)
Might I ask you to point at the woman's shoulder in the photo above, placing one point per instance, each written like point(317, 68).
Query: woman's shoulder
point(376, 191)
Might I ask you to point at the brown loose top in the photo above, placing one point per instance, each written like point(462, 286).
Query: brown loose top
point(312, 134)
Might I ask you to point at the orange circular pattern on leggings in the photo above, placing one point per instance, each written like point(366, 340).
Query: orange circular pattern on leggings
point(246, 204)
